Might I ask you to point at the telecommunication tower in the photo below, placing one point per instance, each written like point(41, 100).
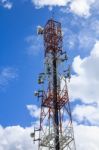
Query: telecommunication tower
point(56, 130)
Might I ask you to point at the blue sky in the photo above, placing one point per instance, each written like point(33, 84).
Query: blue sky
point(21, 60)
point(16, 26)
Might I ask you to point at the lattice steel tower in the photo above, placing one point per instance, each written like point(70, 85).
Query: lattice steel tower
point(56, 130)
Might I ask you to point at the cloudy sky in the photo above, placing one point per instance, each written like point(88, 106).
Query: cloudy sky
point(21, 59)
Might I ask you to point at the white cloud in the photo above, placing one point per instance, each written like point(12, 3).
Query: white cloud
point(95, 51)
point(79, 34)
point(85, 83)
point(6, 4)
point(69, 38)
point(41, 3)
point(34, 110)
point(95, 26)
point(6, 75)
point(16, 138)
point(88, 39)
point(81, 7)
point(35, 44)
point(87, 114)
point(87, 137)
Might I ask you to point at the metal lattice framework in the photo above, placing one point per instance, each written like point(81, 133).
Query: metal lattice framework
point(56, 129)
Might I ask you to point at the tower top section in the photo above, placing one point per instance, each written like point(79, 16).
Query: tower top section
point(52, 37)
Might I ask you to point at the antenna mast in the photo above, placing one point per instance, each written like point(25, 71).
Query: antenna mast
point(56, 129)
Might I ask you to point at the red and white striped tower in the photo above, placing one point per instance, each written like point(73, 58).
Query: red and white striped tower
point(56, 129)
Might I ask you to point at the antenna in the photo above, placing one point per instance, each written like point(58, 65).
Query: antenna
point(40, 30)
point(53, 14)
